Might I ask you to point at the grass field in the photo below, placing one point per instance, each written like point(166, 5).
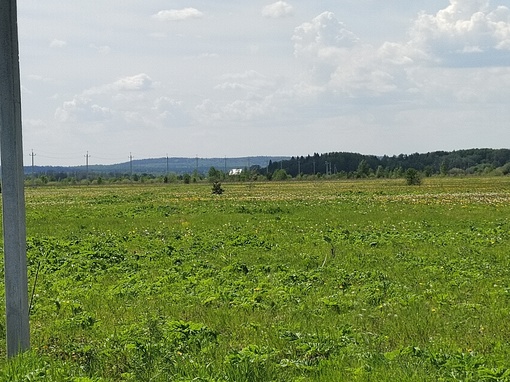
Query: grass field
point(295, 281)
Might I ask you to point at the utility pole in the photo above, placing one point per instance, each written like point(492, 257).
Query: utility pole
point(13, 197)
point(166, 164)
point(87, 156)
point(130, 166)
point(33, 172)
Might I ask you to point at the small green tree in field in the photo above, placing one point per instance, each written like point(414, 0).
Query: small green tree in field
point(280, 174)
point(216, 188)
point(413, 177)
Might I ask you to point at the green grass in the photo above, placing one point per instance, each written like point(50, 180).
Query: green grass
point(294, 281)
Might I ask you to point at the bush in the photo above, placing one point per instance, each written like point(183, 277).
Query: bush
point(412, 177)
point(280, 174)
point(216, 188)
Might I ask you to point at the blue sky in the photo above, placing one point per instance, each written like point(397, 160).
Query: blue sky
point(243, 78)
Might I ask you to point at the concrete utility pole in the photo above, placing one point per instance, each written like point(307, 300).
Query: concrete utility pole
point(33, 172)
point(131, 166)
point(87, 156)
point(13, 197)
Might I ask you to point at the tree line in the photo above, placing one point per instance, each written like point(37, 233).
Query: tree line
point(334, 165)
point(353, 165)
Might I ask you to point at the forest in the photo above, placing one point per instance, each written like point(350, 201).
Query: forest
point(344, 164)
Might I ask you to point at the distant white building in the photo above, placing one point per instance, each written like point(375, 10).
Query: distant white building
point(235, 171)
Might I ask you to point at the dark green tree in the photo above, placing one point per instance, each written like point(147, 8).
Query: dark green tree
point(442, 168)
point(363, 169)
point(413, 177)
point(380, 172)
point(213, 175)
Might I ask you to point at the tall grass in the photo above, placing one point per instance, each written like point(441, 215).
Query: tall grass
point(327, 281)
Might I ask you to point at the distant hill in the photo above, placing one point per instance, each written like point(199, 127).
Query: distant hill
point(161, 166)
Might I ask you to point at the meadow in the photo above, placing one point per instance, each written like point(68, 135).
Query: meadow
point(367, 280)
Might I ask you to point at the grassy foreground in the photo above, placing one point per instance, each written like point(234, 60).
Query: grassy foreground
point(294, 281)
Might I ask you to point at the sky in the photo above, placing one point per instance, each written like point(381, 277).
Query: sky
point(246, 78)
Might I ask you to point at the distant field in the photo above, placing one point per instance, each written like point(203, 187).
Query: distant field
point(368, 280)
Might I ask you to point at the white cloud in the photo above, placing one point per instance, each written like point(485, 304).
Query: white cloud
point(170, 111)
point(277, 10)
point(138, 82)
point(323, 37)
point(121, 104)
point(241, 97)
point(359, 79)
point(467, 32)
point(339, 63)
point(55, 43)
point(82, 109)
point(178, 14)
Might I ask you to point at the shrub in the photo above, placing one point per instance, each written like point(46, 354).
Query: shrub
point(280, 174)
point(412, 177)
point(216, 188)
